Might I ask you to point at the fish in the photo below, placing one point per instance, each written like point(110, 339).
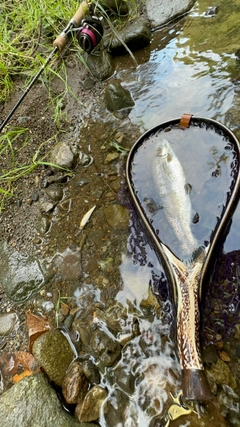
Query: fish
point(174, 195)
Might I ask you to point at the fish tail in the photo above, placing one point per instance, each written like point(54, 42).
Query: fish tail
point(195, 385)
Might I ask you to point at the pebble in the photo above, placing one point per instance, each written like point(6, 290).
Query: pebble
point(90, 409)
point(8, 322)
point(75, 384)
point(54, 354)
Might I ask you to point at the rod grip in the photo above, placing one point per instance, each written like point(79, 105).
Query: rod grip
point(81, 13)
point(61, 40)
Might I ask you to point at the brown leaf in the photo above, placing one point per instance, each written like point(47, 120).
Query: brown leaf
point(64, 308)
point(36, 326)
point(17, 365)
point(224, 356)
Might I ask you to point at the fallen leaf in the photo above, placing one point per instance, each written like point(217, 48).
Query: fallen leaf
point(64, 308)
point(224, 356)
point(17, 365)
point(86, 217)
point(36, 326)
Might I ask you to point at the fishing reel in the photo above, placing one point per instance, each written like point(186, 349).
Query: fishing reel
point(90, 33)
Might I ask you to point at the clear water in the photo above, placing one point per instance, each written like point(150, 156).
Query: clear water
point(206, 158)
point(190, 68)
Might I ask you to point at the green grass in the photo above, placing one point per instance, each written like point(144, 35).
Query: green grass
point(27, 31)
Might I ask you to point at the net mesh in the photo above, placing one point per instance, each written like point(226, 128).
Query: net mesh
point(220, 306)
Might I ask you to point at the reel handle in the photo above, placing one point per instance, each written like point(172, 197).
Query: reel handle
point(61, 40)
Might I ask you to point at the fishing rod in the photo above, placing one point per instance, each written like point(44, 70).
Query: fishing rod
point(88, 31)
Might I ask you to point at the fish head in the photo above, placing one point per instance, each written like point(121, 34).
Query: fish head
point(164, 150)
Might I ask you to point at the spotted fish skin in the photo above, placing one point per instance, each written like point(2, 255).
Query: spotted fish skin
point(173, 192)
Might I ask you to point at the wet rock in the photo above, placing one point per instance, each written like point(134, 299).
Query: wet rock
point(118, 98)
point(47, 207)
point(229, 405)
point(54, 354)
point(220, 374)
point(32, 402)
point(88, 83)
point(8, 322)
point(125, 379)
point(105, 348)
point(159, 11)
point(117, 6)
point(90, 370)
point(63, 156)
point(100, 65)
point(114, 317)
point(54, 193)
point(117, 216)
point(89, 410)
point(84, 331)
point(212, 11)
point(75, 384)
point(21, 276)
point(43, 224)
point(150, 301)
point(69, 264)
point(83, 181)
point(209, 354)
point(57, 178)
point(136, 35)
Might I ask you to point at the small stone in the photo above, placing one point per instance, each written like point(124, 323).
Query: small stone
point(89, 410)
point(8, 322)
point(220, 374)
point(83, 181)
point(117, 97)
point(106, 349)
point(88, 83)
point(110, 157)
point(47, 207)
point(101, 65)
point(75, 384)
point(117, 216)
point(35, 196)
point(119, 137)
point(62, 156)
point(54, 193)
point(43, 224)
point(209, 354)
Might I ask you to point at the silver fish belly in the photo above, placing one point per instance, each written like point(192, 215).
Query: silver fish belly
point(172, 189)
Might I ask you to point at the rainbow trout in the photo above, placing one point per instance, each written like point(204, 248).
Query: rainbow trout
point(173, 191)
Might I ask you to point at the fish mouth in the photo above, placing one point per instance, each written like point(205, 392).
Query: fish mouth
point(162, 149)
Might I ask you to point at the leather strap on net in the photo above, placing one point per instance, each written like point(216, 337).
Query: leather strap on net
point(185, 120)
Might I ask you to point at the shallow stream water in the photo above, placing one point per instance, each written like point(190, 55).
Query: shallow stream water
point(190, 67)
